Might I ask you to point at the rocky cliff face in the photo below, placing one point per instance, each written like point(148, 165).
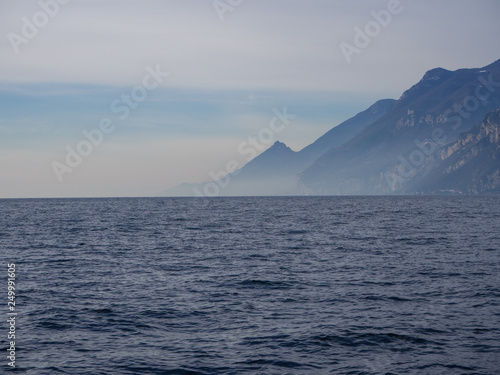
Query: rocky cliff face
point(471, 165)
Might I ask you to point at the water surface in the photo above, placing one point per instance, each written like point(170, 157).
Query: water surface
point(320, 285)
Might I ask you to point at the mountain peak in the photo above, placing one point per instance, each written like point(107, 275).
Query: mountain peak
point(279, 147)
point(436, 74)
point(431, 79)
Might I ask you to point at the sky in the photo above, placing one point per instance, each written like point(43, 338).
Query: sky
point(122, 98)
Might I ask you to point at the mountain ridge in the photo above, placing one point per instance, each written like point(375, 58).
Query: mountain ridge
point(358, 167)
point(391, 138)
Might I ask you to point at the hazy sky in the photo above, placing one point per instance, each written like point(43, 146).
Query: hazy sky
point(69, 66)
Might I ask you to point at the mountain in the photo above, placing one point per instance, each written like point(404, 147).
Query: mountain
point(347, 130)
point(271, 173)
point(274, 172)
point(471, 165)
point(385, 156)
point(431, 140)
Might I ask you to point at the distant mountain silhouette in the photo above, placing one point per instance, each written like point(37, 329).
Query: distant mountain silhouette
point(274, 172)
point(409, 146)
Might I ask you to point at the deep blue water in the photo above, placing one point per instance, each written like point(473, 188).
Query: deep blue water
point(320, 285)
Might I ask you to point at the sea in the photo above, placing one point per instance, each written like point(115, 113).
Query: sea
point(257, 285)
